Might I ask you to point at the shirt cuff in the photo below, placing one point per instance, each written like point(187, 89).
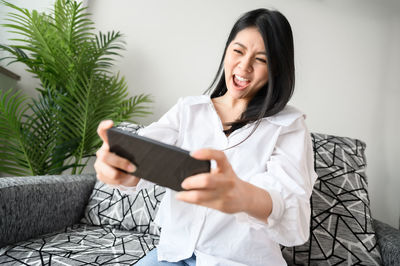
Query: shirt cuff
point(278, 208)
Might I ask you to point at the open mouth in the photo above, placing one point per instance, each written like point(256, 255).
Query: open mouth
point(240, 82)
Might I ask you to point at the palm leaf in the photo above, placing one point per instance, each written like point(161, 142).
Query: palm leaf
point(46, 147)
point(13, 158)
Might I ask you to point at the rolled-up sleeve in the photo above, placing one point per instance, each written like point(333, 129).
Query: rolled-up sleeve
point(289, 178)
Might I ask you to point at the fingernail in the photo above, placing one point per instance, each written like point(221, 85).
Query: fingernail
point(131, 168)
point(108, 122)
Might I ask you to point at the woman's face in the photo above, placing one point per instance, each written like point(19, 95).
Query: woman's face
point(245, 64)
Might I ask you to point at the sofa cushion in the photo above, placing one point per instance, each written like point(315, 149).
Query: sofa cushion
point(80, 244)
point(133, 211)
point(341, 225)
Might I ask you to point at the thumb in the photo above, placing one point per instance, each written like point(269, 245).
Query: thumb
point(102, 129)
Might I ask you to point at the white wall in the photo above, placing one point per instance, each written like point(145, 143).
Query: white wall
point(346, 56)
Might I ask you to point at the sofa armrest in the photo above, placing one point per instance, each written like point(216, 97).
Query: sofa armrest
point(389, 242)
point(35, 205)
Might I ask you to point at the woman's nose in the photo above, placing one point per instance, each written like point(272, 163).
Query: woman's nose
point(245, 64)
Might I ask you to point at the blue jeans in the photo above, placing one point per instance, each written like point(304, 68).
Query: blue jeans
point(151, 260)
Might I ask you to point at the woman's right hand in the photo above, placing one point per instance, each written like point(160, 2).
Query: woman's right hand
point(107, 164)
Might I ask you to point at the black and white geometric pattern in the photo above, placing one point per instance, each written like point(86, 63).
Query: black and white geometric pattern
point(129, 127)
point(81, 244)
point(136, 211)
point(341, 226)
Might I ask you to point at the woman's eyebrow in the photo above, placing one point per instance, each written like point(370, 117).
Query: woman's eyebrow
point(244, 47)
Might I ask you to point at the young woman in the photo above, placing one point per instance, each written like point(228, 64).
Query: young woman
point(257, 193)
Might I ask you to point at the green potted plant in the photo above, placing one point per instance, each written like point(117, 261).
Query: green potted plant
point(57, 130)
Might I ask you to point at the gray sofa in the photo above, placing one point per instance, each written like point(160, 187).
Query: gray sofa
point(61, 220)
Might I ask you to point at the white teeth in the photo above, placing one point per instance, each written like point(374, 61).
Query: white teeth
point(240, 78)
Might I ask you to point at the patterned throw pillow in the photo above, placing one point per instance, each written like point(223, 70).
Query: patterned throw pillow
point(134, 211)
point(341, 226)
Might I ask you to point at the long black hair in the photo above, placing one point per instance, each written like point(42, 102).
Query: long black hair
point(278, 40)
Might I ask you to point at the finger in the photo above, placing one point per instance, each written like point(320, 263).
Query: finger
point(200, 181)
point(107, 174)
point(200, 197)
point(104, 148)
point(211, 154)
point(110, 175)
point(102, 129)
point(128, 181)
point(114, 160)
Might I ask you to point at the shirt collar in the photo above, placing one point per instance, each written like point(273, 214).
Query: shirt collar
point(284, 118)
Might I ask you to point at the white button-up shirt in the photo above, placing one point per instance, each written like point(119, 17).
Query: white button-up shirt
point(278, 157)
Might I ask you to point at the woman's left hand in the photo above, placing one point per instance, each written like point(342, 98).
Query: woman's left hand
point(221, 189)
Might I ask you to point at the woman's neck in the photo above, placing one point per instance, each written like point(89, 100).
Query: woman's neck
point(237, 106)
point(229, 110)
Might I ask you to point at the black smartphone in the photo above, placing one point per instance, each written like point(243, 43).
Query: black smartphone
point(160, 163)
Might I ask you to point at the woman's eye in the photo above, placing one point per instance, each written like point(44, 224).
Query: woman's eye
point(261, 60)
point(237, 51)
